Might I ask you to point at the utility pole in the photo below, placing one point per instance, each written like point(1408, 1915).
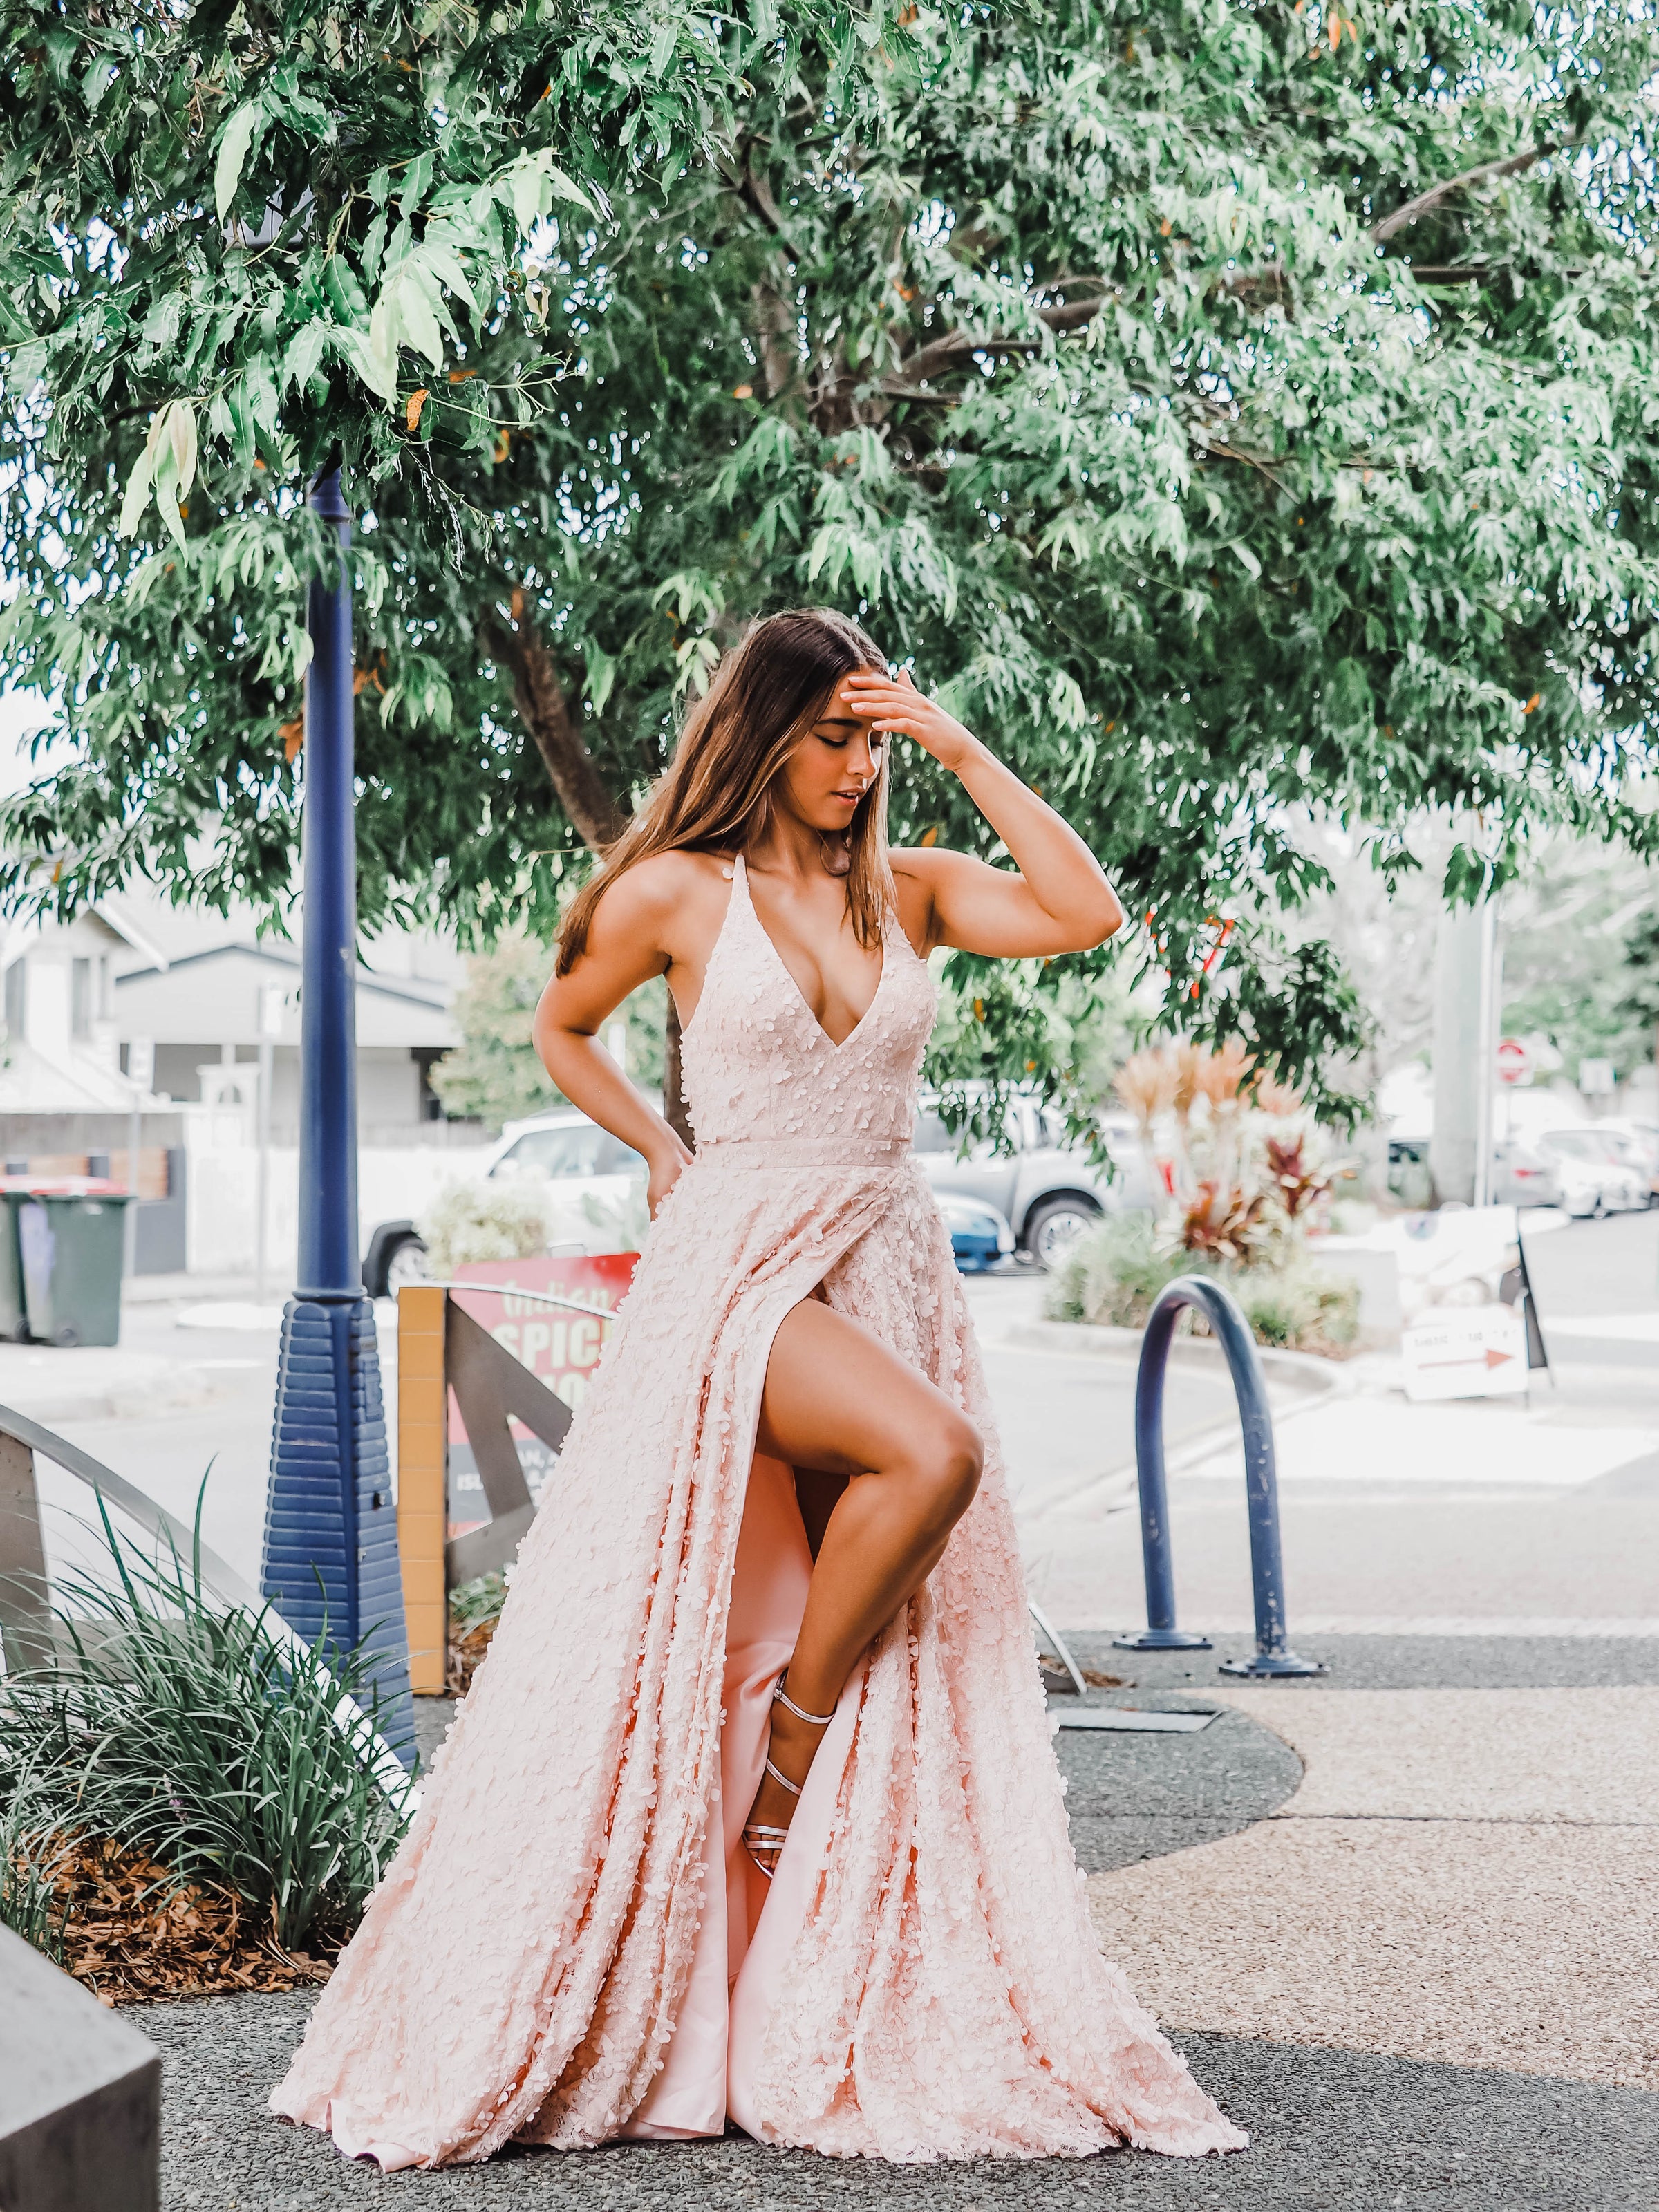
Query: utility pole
point(270, 1004)
point(1467, 994)
point(141, 1074)
point(331, 1564)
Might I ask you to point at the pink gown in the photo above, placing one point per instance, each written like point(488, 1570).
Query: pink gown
point(571, 1946)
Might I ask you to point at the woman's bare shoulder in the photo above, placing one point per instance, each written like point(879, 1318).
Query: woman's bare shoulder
point(662, 892)
point(923, 863)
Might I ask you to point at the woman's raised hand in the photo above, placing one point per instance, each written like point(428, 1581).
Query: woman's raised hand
point(897, 709)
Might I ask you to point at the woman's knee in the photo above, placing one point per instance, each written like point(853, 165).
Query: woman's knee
point(949, 1463)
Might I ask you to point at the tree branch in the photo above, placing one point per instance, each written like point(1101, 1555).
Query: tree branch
point(1425, 201)
point(545, 711)
point(758, 194)
point(961, 345)
point(1469, 272)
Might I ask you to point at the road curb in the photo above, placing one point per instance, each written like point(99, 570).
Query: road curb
point(1303, 1372)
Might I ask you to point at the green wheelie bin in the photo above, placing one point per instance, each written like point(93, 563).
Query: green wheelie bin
point(13, 1316)
point(70, 1246)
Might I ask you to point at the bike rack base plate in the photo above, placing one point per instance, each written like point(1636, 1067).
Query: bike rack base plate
point(1163, 1639)
point(1267, 1666)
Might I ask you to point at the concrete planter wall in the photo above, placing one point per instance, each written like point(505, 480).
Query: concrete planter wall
point(80, 2096)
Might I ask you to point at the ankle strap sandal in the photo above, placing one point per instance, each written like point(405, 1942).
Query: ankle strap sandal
point(757, 1836)
point(782, 1696)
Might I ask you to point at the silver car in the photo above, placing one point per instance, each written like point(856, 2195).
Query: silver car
point(1044, 1184)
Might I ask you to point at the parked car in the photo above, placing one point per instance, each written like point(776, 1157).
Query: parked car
point(1636, 1145)
point(1591, 1177)
point(1038, 1196)
point(979, 1236)
point(583, 1160)
point(1045, 1186)
point(1521, 1175)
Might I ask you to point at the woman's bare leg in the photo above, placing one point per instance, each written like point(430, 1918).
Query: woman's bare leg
point(838, 1403)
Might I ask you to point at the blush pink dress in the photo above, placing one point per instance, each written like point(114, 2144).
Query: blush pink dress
point(571, 1946)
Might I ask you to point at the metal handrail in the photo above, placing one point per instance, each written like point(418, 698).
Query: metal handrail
point(216, 1574)
point(1273, 1655)
point(154, 1519)
point(537, 1298)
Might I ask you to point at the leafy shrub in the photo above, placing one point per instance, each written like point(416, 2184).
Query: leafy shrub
point(206, 1738)
point(500, 1217)
point(473, 1604)
point(1112, 1274)
point(620, 1224)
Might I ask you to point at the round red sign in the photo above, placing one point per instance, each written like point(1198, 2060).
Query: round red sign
point(1514, 1061)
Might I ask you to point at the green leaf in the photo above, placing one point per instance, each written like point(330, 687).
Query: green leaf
point(601, 676)
point(135, 498)
point(305, 352)
point(356, 349)
point(234, 141)
point(415, 184)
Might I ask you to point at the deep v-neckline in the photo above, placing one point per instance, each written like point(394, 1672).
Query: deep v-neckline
point(741, 877)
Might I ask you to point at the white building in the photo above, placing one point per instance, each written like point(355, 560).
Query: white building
point(201, 998)
point(196, 993)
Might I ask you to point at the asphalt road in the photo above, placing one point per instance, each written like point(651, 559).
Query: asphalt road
point(1495, 1517)
point(1363, 1543)
point(1333, 2130)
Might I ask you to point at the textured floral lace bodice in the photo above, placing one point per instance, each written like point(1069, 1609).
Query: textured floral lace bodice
point(759, 1070)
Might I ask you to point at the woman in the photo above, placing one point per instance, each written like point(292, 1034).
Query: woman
point(753, 1809)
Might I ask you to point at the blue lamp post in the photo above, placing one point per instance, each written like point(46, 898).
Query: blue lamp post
point(331, 1563)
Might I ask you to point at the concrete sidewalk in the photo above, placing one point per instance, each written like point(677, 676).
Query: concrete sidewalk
point(1464, 1876)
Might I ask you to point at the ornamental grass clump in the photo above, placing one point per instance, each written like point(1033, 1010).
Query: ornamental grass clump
point(207, 1739)
point(32, 1848)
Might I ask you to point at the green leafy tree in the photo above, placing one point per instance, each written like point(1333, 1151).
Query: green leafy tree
point(494, 1074)
point(1570, 954)
point(1236, 411)
point(1640, 1003)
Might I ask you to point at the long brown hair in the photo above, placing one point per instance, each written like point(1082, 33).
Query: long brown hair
point(716, 793)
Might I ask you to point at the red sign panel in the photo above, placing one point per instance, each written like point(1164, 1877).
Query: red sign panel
point(560, 1348)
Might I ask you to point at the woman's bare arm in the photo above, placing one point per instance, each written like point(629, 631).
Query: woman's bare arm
point(626, 947)
point(1058, 901)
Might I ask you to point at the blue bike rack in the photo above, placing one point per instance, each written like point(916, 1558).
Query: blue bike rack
point(1273, 1655)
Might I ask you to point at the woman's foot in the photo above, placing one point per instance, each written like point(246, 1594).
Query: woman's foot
point(795, 1738)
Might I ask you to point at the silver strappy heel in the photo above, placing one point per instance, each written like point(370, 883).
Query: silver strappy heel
point(758, 1837)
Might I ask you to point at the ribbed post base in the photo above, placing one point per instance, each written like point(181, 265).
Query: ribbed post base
point(330, 1564)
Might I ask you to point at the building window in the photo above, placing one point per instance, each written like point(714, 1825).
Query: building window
point(16, 1000)
point(80, 998)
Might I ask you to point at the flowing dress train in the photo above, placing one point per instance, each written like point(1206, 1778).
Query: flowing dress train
point(571, 1945)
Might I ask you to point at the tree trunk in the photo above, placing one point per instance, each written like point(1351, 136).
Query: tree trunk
point(597, 819)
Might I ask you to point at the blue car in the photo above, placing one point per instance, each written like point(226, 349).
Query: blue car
point(979, 1236)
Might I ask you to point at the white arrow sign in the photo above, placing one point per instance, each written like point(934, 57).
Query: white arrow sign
point(1465, 1351)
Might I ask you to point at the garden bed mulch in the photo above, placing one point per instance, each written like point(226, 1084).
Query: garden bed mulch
point(130, 1931)
point(466, 1654)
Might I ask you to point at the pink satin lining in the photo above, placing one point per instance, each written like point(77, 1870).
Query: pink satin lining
point(769, 1581)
